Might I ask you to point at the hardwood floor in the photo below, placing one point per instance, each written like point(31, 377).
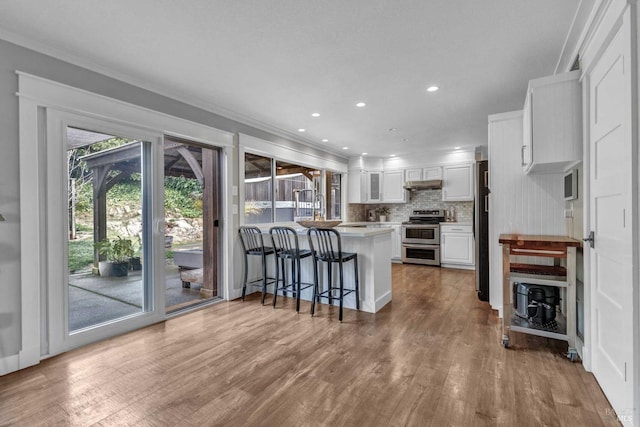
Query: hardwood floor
point(433, 356)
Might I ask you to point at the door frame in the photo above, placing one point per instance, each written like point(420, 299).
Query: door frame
point(56, 337)
point(37, 99)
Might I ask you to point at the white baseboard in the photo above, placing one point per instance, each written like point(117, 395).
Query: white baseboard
point(459, 266)
point(9, 364)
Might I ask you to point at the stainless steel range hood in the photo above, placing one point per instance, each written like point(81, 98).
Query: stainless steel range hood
point(430, 184)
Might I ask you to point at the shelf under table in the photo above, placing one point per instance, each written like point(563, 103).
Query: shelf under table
point(518, 324)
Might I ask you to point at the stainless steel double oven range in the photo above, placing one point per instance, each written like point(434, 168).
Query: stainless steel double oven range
point(421, 237)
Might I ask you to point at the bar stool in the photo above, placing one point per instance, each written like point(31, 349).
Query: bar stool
point(328, 248)
point(252, 244)
point(285, 244)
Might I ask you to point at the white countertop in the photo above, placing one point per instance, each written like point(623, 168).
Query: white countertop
point(456, 223)
point(347, 231)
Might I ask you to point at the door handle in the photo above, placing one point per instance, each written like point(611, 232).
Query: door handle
point(590, 239)
point(486, 203)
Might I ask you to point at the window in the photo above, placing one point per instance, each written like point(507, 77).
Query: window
point(258, 189)
point(298, 191)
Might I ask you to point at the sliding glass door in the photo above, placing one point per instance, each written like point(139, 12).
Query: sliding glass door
point(191, 202)
point(104, 218)
point(108, 226)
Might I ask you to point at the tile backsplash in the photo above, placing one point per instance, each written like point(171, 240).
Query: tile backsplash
point(424, 199)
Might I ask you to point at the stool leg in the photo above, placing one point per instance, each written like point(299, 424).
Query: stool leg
point(355, 266)
point(275, 290)
point(315, 286)
point(329, 283)
point(296, 264)
point(244, 276)
point(341, 290)
point(264, 276)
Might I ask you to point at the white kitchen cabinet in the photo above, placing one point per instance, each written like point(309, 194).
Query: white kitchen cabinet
point(374, 186)
point(420, 174)
point(396, 243)
point(365, 186)
point(552, 124)
point(458, 182)
point(433, 172)
point(414, 174)
point(392, 187)
point(457, 246)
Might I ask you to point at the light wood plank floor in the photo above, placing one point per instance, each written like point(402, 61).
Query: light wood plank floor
point(431, 357)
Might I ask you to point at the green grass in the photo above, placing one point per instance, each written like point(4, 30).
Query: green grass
point(80, 254)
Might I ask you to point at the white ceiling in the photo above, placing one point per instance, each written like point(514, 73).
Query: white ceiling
point(273, 63)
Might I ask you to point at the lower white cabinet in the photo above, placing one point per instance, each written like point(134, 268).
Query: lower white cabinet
point(396, 243)
point(457, 246)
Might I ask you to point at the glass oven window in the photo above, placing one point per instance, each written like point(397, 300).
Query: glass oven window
point(421, 253)
point(420, 233)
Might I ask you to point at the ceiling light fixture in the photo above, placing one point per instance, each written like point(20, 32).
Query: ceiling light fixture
point(392, 155)
point(325, 140)
point(405, 139)
point(345, 148)
point(315, 114)
point(432, 88)
point(393, 129)
point(364, 154)
point(301, 130)
point(456, 148)
point(360, 104)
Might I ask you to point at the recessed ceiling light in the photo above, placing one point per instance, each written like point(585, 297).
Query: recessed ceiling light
point(315, 114)
point(360, 104)
point(392, 155)
point(456, 148)
point(301, 130)
point(345, 148)
point(364, 154)
point(325, 140)
point(432, 88)
point(393, 129)
point(405, 139)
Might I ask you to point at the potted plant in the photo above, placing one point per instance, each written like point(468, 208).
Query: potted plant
point(383, 213)
point(118, 251)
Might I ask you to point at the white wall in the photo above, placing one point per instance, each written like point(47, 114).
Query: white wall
point(518, 203)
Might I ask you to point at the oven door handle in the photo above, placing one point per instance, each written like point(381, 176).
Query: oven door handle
point(420, 246)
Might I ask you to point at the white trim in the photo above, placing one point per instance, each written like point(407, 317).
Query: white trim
point(67, 98)
point(38, 95)
point(255, 145)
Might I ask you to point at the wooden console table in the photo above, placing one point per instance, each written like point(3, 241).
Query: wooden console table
point(564, 277)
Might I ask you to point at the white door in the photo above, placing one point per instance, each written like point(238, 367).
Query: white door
point(611, 213)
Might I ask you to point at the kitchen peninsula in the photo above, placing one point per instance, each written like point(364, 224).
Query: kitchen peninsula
point(373, 246)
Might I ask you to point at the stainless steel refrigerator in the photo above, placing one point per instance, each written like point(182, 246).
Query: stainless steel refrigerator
point(481, 229)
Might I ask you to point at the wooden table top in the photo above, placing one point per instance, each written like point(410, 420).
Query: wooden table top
point(539, 241)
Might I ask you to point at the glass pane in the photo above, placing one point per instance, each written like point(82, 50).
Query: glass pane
point(190, 196)
point(258, 189)
point(295, 194)
point(105, 194)
point(334, 195)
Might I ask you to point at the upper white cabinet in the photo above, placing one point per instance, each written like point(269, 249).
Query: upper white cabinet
point(365, 186)
point(552, 124)
point(376, 186)
point(419, 174)
point(392, 190)
point(457, 182)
